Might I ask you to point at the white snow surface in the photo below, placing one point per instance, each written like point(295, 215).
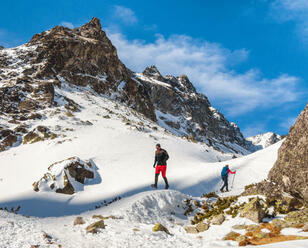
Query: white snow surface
point(124, 156)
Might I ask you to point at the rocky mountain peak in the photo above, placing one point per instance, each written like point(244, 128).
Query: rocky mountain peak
point(185, 83)
point(1, 47)
point(261, 141)
point(153, 72)
point(93, 24)
point(93, 30)
point(183, 111)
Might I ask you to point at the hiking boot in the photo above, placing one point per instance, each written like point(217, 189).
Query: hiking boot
point(166, 182)
point(155, 180)
point(154, 186)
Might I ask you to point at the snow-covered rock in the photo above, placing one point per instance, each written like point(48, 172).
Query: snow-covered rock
point(67, 176)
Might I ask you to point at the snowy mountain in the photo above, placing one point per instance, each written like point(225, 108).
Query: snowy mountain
point(262, 141)
point(31, 74)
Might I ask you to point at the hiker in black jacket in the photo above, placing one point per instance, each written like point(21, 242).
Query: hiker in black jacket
point(161, 157)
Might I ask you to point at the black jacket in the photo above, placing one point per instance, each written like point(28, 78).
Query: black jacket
point(161, 157)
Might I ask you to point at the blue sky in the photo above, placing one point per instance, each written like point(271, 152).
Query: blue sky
point(248, 57)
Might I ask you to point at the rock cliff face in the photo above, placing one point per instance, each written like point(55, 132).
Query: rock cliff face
point(85, 57)
point(183, 111)
point(291, 168)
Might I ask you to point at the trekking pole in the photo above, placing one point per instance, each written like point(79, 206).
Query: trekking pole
point(232, 182)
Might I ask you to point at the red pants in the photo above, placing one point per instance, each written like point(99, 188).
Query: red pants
point(162, 169)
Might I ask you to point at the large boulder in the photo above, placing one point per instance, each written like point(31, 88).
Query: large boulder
point(67, 176)
point(291, 168)
point(218, 219)
point(191, 229)
point(295, 218)
point(201, 227)
point(253, 210)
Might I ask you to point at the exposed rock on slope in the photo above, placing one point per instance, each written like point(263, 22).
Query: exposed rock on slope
point(262, 141)
point(291, 168)
point(67, 176)
point(183, 111)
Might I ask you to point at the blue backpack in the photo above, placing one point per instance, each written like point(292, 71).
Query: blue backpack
point(224, 171)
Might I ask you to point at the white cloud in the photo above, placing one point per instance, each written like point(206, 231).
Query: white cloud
point(287, 123)
point(209, 67)
point(257, 128)
point(293, 10)
point(125, 14)
point(67, 24)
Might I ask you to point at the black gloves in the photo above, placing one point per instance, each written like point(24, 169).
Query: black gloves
point(153, 165)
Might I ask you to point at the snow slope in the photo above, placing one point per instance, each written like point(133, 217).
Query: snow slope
point(124, 157)
point(123, 150)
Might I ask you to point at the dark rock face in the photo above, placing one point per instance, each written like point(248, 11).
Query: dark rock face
point(152, 71)
point(86, 57)
point(7, 139)
point(184, 111)
point(291, 168)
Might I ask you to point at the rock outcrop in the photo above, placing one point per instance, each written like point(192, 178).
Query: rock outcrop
point(290, 171)
point(67, 176)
